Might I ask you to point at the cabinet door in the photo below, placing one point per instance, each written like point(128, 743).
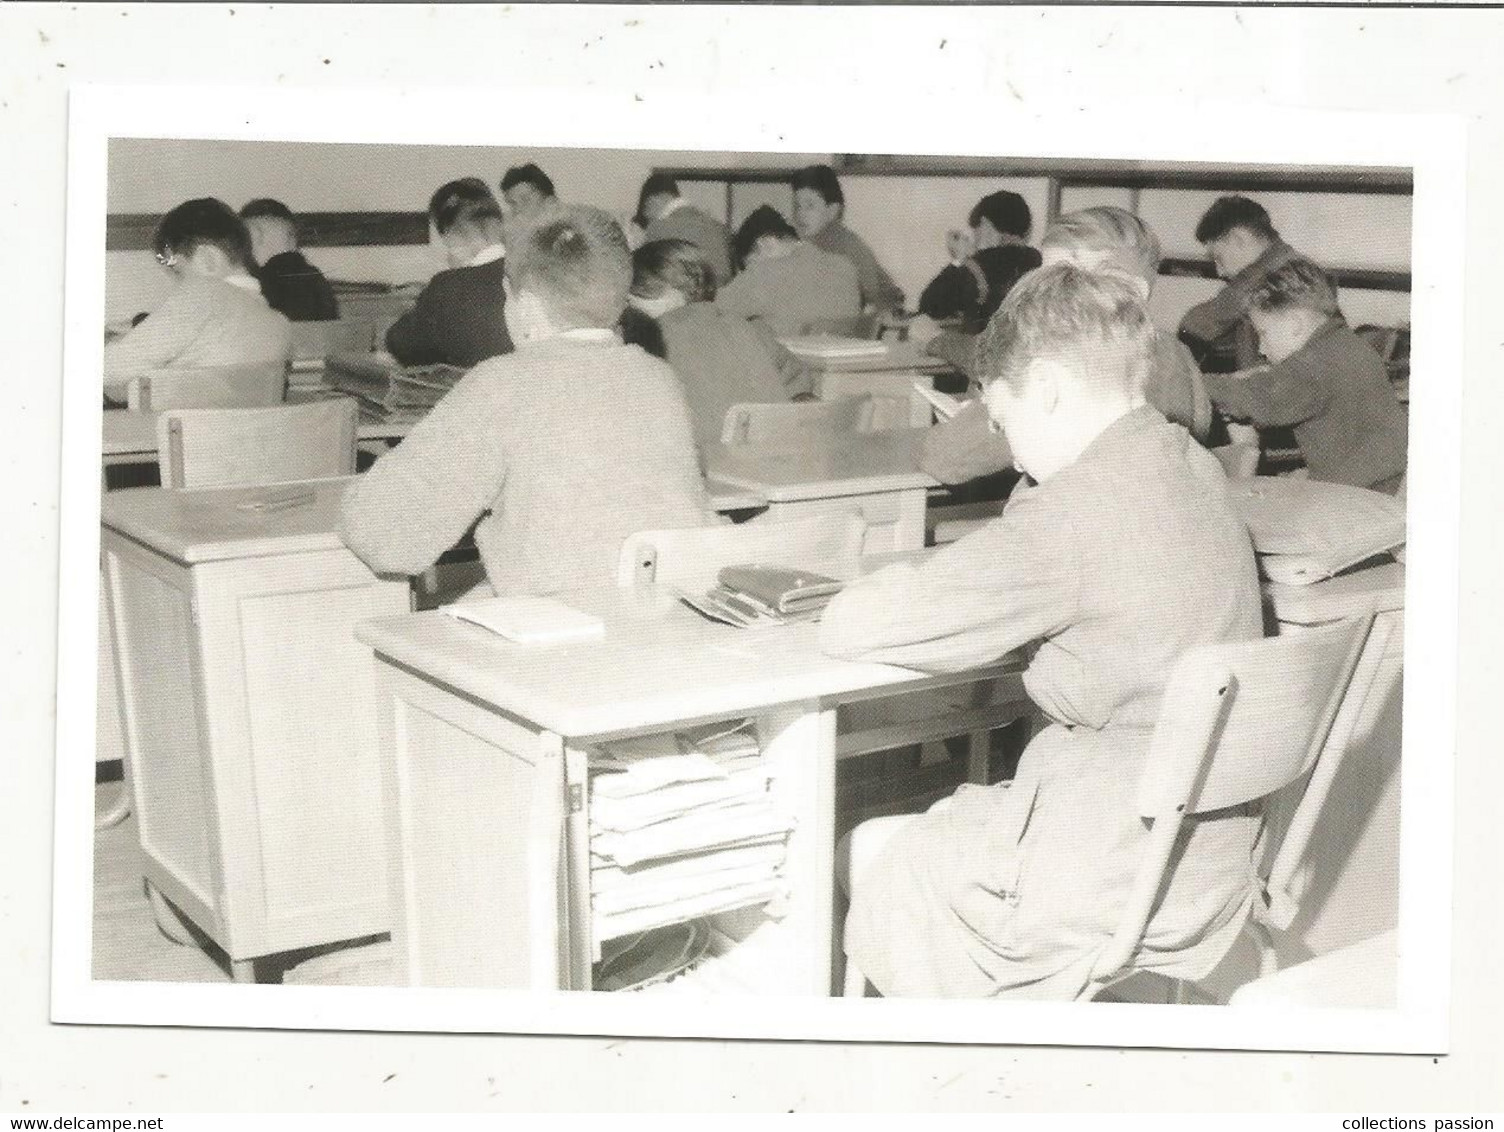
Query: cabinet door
point(290, 713)
point(155, 648)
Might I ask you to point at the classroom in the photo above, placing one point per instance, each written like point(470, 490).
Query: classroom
point(683, 572)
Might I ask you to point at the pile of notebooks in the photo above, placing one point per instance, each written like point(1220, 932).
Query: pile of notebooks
point(765, 595)
point(682, 826)
point(388, 393)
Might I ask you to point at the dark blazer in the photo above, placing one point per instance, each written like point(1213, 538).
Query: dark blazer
point(459, 319)
point(972, 291)
point(292, 285)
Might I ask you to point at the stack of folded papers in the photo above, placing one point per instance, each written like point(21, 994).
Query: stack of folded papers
point(682, 826)
point(388, 393)
point(765, 595)
point(829, 346)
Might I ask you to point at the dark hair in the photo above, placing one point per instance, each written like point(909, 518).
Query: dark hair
point(822, 179)
point(657, 184)
point(672, 264)
point(639, 329)
point(1227, 213)
point(266, 206)
point(204, 220)
point(1298, 284)
point(1007, 212)
point(577, 260)
point(462, 203)
point(528, 174)
point(765, 220)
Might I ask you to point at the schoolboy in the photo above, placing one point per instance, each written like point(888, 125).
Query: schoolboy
point(1120, 558)
point(560, 450)
point(722, 359)
point(785, 281)
point(216, 314)
point(290, 283)
point(1102, 238)
point(1244, 247)
point(985, 265)
point(665, 215)
point(527, 189)
point(819, 211)
point(1322, 379)
point(460, 317)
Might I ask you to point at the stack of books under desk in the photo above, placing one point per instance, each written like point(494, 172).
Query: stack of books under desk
point(682, 826)
point(389, 393)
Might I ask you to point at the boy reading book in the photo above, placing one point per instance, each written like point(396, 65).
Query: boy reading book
point(560, 450)
point(1119, 558)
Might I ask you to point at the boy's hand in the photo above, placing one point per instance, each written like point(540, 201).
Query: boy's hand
point(959, 245)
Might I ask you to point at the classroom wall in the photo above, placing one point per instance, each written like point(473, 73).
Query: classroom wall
point(152, 175)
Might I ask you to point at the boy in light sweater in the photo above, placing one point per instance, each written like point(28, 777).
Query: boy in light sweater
point(560, 450)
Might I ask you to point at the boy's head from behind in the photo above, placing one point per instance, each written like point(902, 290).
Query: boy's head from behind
point(1235, 231)
point(1064, 356)
point(568, 268)
point(669, 273)
point(999, 215)
point(765, 234)
point(1104, 238)
point(1290, 305)
point(466, 218)
point(203, 237)
point(272, 228)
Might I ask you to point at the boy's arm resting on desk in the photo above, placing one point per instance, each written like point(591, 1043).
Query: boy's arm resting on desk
point(964, 447)
point(1284, 394)
point(410, 339)
point(967, 604)
point(421, 497)
point(155, 342)
point(797, 376)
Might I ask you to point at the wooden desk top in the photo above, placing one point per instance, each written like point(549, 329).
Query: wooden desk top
point(208, 526)
point(858, 464)
point(659, 664)
point(1379, 588)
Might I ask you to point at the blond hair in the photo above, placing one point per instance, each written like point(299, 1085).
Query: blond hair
point(576, 259)
point(1106, 237)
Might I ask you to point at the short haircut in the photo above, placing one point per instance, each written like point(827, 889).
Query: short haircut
point(1227, 213)
point(204, 220)
point(1007, 212)
point(661, 265)
point(765, 220)
point(465, 203)
point(577, 261)
point(267, 208)
point(823, 180)
point(660, 184)
point(1093, 322)
point(528, 174)
point(1113, 238)
point(1299, 284)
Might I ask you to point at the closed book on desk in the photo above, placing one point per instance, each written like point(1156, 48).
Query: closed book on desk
point(529, 620)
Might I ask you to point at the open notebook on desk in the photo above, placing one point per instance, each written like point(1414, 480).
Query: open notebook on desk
point(387, 391)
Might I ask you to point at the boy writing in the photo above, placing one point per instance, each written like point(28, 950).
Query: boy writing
point(561, 449)
point(1120, 558)
point(1322, 379)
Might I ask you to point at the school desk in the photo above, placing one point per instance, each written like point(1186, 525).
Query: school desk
point(485, 747)
point(249, 713)
point(888, 378)
point(876, 473)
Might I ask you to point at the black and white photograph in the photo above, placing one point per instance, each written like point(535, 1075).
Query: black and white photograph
point(895, 571)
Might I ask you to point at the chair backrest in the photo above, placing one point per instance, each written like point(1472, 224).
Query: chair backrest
point(1238, 722)
point(214, 387)
point(312, 340)
point(851, 326)
point(235, 447)
point(690, 558)
point(797, 422)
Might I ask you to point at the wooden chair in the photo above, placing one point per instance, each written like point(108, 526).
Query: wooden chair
point(1239, 722)
point(851, 326)
point(216, 387)
point(690, 559)
point(314, 341)
point(200, 448)
point(797, 423)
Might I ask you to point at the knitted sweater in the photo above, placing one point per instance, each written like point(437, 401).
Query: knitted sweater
point(790, 291)
point(560, 450)
point(203, 323)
